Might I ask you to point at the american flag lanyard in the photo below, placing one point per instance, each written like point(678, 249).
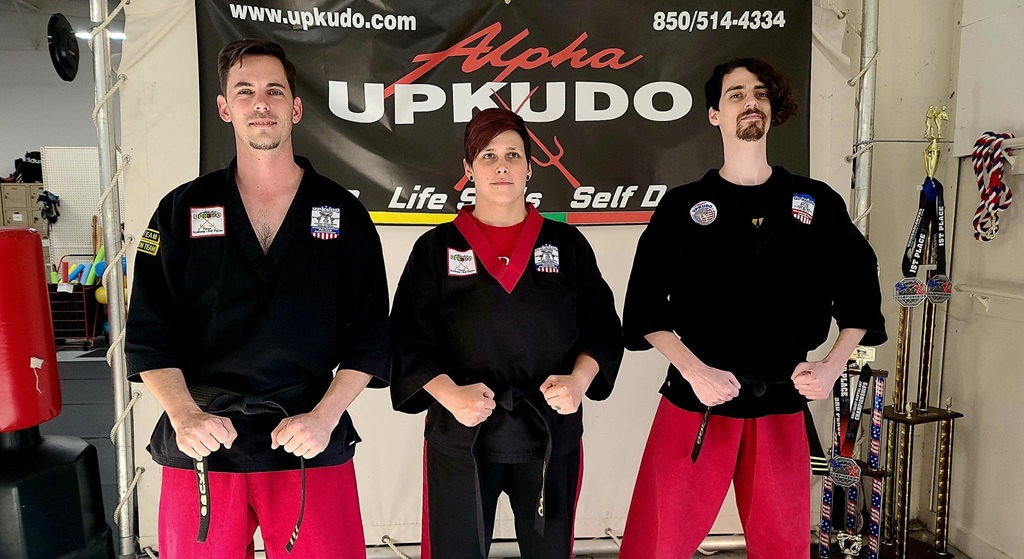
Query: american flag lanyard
point(877, 483)
point(843, 471)
point(989, 157)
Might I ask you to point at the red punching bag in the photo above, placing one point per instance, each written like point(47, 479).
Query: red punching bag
point(29, 384)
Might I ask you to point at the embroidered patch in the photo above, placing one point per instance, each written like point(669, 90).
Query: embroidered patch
point(461, 263)
point(704, 213)
point(545, 259)
point(325, 222)
point(803, 208)
point(150, 242)
point(207, 222)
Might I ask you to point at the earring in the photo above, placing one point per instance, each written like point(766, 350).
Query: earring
point(528, 178)
point(470, 178)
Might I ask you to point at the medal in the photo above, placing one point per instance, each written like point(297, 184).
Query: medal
point(909, 292)
point(939, 289)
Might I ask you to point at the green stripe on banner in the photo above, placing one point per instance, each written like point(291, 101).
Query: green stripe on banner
point(556, 216)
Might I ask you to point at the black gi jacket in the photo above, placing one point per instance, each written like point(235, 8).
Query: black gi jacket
point(746, 299)
point(207, 300)
point(463, 322)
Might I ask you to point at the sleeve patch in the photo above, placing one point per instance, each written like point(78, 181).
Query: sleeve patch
point(150, 242)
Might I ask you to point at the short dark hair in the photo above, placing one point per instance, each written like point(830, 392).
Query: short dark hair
point(487, 124)
point(235, 51)
point(780, 91)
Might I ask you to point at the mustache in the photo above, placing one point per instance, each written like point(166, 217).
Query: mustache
point(754, 111)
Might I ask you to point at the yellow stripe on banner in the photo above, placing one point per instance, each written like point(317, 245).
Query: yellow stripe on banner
point(410, 218)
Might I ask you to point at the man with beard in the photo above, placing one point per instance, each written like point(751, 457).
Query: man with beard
point(736, 278)
point(253, 285)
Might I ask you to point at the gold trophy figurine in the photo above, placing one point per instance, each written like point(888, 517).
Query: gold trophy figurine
point(933, 120)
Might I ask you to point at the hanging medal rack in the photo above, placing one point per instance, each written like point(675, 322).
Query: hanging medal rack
point(926, 245)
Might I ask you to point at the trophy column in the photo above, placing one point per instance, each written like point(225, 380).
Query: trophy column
point(927, 244)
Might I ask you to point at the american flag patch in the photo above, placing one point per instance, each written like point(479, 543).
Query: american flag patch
point(545, 259)
point(325, 222)
point(803, 208)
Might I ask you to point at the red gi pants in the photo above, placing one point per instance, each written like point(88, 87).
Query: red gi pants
point(332, 526)
point(676, 501)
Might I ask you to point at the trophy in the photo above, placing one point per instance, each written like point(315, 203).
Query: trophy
point(849, 545)
point(890, 517)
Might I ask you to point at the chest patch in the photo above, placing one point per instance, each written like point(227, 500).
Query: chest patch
point(704, 213)
point(545, 259)
point(207, 222)
point(461, 263)
point(803, 208)
point(325, 222)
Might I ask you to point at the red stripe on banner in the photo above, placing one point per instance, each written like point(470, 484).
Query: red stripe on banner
point(623, 218)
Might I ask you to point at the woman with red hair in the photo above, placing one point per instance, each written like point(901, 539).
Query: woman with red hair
point(501, 324)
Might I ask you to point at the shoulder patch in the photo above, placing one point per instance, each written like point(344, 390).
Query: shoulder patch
point(207, 222)
point(150, 242)
point(461, 263)
point(803, 208)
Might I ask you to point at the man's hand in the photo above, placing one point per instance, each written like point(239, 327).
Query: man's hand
point(199, 433)
point(712, 386)
point(470, 405)
point(815, 379)
point(564, 393)
point(305, 435)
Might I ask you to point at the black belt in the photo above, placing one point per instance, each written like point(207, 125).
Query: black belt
point(217, 400)
point(507, 401)
point(819, 464)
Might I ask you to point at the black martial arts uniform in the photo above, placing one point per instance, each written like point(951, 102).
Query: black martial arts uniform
point(749, 278)
point(207, 300)
point(460, 311)
point(257, 335)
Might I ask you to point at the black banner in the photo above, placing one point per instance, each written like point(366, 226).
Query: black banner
point(611, 91)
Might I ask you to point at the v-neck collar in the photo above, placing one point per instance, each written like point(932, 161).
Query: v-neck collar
point(507, 274)
point(266, 263)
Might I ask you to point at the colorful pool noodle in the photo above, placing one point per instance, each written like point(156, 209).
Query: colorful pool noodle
point(73, 274)
point(90, 279)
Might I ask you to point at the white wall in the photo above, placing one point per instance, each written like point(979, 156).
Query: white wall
point(984, 351)
point(39, 109)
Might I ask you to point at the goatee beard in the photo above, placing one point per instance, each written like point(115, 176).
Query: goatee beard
point(751, 133)
point(264, 145)
point(755, 130)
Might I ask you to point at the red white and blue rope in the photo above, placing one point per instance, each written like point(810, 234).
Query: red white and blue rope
point(988, 157)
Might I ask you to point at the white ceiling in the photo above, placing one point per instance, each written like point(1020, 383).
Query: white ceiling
point(23, 22)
